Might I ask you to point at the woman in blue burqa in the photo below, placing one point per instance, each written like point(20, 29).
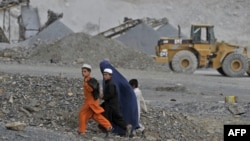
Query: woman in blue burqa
point(126, 98)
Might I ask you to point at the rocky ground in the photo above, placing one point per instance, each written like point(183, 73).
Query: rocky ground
point(179, 108)
point(50, 102)
point(49, 105)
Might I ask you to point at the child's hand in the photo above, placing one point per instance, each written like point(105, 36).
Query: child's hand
point(101, 95)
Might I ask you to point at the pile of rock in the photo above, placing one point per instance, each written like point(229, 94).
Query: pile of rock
point(53, 102)
point(81, 48)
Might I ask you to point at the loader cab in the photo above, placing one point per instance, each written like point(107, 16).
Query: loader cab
point(202, 34)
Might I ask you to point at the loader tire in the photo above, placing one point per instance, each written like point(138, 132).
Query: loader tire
point(234, 65)
point(248, 73)
point(171, 66)
point(220, 70)
point(184, 62)
point(248, 70)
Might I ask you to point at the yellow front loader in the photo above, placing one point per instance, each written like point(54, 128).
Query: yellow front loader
point(202, 51)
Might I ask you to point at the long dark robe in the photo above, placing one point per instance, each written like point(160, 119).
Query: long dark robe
point(126, 97)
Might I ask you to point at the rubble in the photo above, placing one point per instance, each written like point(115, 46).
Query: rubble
point(56, 110)
point(236, 109)
point(80, 48)
point(46, 102)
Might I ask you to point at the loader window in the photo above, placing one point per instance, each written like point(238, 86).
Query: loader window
point(204, 35)
point(197, 34)
point(200, 35)
point(211, 36)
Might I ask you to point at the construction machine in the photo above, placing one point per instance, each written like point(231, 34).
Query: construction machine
point(3, 37)
point(129, 23)
point(202, 50)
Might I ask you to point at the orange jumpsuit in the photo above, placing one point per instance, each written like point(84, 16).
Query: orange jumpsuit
point(91, 109)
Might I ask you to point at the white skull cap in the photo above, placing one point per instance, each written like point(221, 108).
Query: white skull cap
point(86, 66)
point(108, 70)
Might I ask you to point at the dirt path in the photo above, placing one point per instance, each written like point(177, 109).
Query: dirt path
point(204, 85)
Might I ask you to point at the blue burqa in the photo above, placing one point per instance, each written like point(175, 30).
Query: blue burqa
point(126, 97)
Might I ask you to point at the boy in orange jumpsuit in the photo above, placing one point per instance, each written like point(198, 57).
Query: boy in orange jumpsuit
point(91, 107)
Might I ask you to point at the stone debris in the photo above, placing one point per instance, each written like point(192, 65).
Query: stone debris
point(11, 100)
point(1, 89)
point(236, 109)
point(77, 48)
point(70, 94)
point(25, 111)
point(18, 126)
point(47, 105)
point(31, 109)
point(172, 87)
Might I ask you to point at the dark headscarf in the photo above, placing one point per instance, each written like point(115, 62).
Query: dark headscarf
point(126, 97)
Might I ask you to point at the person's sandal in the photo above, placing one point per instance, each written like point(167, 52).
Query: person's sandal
point(81, 133)
point(109, 131)
point(128, 130)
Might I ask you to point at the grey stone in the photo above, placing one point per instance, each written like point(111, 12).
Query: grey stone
point(25, 111)
point(31, 109)
point(79, 60)
point(151, 138)
point(52, 104)
point(236, 109)
point(18, 126)
point(97, 139)
point(34, 102)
